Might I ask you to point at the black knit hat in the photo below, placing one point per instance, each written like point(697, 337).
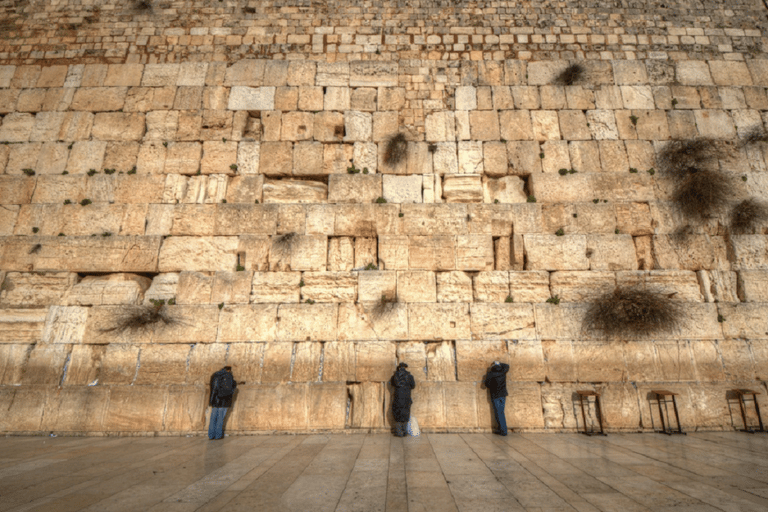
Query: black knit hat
point(402, 365)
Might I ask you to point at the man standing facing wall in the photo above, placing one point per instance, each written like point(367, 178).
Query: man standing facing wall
point(223, 387)
point(496, 382)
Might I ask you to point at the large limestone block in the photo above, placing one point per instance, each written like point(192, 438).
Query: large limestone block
point(416, 286)
point(277, 362)
point(696, 252)
point(25, 407)
point(598, 361)
point(611, 252)
point(194, 288)
point(746, 321)
point(366, 407)
point(440, 126)
point(231, 287)
point(445, 160)
point(23, 289)
point(13, 358)
point(329, 286)
point(579, 286)
point(682, 283)
point(553, 188)
point(445, 219)
point(373, 285)
point(107, 290)
point(162, 365)
point(526, 360)
point(438, 321)
point(276, 287)
point(204, 360)
point(560, 322)
point(306, 362)
point(352, 188)
point(708, 360)
point(17, 127)
point(119, 364)
point(45, 365)
point(240, 219)
point(77, 409)
point(617, 187)
point(245, 360)
point(741, 359)
point(509, 189)
point(251, 98)
point(118, 126)
point(432, 253)
point(552, 252)
point(338, 361)
point(490, 286)
point(65, 324)
point(375, 361)
point(752, 286)
point(467, 188)
point(16, 189)
point(307, 322)
point(181, 253)
point(460, 404)
point(81, 254)
point(294, 191)
point(271, 407)
point(299, 252)
point(428, 405)
point(454, 286)
point(750, 252)
point(502, 321)
point(675, 361)
point(441, 361)
point(308, 158)
point(341, 253)
point(135, 409)
point(474, 252)
point(327, 405)
point(402, 189)
point(413, 353)
point(529, 286)
point(525, 407)
point(186, 410)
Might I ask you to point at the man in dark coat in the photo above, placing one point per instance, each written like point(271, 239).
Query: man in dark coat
point(496, 382)
point(402, 383)
point(223, 387)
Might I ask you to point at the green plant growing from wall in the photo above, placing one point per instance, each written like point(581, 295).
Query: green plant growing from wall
point(630, 312)
point(28, 172)
point(395, 150)
point(555, 299)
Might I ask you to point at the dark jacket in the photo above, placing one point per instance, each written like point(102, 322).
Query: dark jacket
point(220, 401)
point(401, 395)
point(496, 380)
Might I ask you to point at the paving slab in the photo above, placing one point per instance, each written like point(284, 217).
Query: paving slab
point(707, 471)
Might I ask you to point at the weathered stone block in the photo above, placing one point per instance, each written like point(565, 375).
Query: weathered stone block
point(432, 253)
point(463, 188)
point(307, 322)
point(474, 252)
point(366, 405)
point(454, 286)
point(34, 290)
point(294, 191)
point(416, 286)
point(402, 189)
point(180, 253)
point(329, 286)
point(438, 321)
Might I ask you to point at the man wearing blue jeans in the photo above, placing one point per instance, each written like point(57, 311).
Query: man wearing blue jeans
point(223, 387)
point(496, 382)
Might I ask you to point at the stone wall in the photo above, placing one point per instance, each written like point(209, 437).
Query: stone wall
point(231, 159)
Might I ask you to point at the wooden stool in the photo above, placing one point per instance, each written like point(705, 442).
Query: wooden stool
point(598, 411)
point(665, 425)
point(741, 393)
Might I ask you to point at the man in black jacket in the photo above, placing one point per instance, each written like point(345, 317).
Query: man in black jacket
point(496, 382)
point(223, 387)
point(402, 383)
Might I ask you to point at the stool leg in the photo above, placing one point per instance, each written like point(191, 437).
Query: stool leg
point(759, 418)
point(661, 415)
point(742, 407)
point(583, 414)
point(599, 412)
point(677, 416)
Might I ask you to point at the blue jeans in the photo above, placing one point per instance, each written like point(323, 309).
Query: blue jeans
point(498, 409)
point(216, 425)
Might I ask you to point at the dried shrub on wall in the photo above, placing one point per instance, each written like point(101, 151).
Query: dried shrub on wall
point(570, 75)
point(701, 190)
point(747, 216)
point(283, 244)
point(142, 318)
point(384, 308)
point(633, 312)
point(396, 150)
point(754, 136)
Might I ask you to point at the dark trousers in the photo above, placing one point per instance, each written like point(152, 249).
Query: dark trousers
point(400, 428)
point(216, 425)
point(498, 409)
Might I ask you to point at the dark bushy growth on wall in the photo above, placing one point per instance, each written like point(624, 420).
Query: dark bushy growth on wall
point(629, 312)
point(140, 318)
point(747, 216)
point(570, 75)
point(396, 150)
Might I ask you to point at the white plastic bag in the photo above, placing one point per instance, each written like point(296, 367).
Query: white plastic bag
point(413, 427)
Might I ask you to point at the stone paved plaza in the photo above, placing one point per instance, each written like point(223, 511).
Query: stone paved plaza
point(376, 472)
